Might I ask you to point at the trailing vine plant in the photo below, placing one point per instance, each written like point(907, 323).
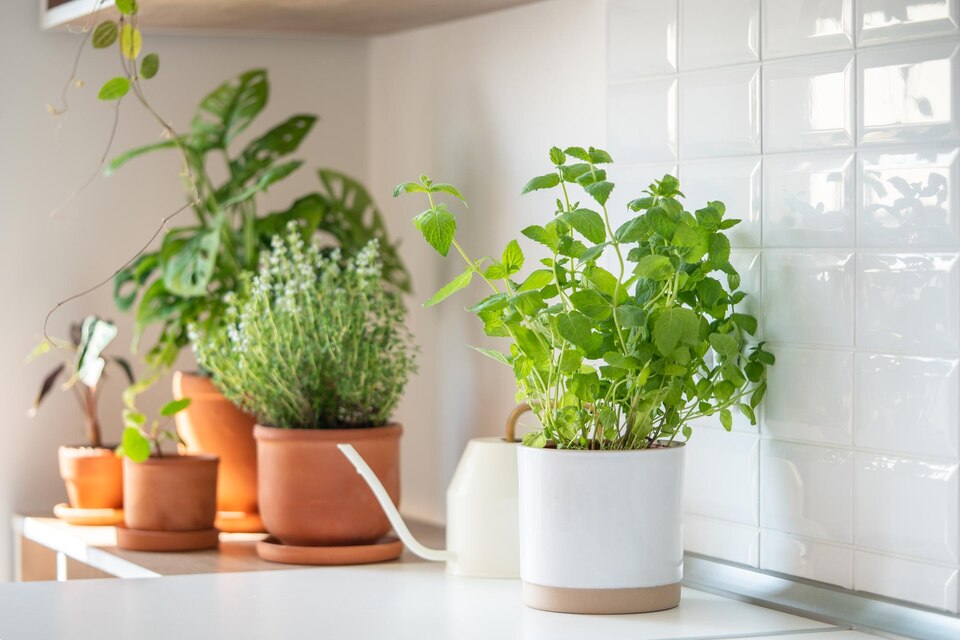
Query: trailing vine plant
point(613, 360)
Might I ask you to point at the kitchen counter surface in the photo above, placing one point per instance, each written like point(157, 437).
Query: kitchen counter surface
point(414, 600)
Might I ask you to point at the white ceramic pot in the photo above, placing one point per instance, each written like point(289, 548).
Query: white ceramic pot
point(601, 531)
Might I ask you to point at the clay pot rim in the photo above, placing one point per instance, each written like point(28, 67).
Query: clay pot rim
point(192, 458)
point(674, 447)
point(193, 384)
point(265, 432)
point(75, 449)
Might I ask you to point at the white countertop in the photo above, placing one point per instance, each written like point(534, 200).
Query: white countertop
point(396, 601)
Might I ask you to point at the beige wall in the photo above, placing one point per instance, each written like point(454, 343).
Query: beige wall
point(477, 103)
point(43, 159)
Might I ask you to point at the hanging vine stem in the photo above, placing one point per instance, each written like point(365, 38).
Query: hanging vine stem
point(132, 75)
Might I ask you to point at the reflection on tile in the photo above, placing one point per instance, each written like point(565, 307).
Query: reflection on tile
point(909, 197)
point(719, 112)
point(642, 120)
point(908, 405)
point(806, 558)
point(748, 265)
point(909, 93)
point(794, 28)
point(808, 297)
point(719, 539)
point(806, 490)
point(736, 183)
point(906, 506)
point(718, 33)
point(810, 396)
point(809, 199)
point(720, 473)
point(641, 38)
point(808, 103)
point(927, 584)
point(909, 301)
point(891, 20)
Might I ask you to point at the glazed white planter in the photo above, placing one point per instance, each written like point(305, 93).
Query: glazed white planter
point(601, 531)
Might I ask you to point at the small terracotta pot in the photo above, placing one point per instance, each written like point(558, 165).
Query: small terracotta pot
point(174, 493)
point(213, 425)
point(94, 477)
point(310, 494)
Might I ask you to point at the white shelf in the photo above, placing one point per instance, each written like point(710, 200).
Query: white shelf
point(334, 17)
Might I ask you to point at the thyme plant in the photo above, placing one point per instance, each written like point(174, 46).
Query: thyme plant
point(315, 341)
point(613, 360)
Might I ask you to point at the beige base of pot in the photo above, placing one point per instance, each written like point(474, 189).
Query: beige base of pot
point(601, 601)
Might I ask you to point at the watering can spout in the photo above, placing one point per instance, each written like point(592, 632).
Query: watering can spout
point(380, 493)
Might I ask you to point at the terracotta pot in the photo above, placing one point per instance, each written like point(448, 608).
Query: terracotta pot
point(174, 493)
point(211, 424)
point(94, 477)
point(310, 494)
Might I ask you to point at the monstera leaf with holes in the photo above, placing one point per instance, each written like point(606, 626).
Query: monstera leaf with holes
point(184, 283)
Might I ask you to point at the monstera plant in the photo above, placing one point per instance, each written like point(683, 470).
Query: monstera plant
point(184, 282)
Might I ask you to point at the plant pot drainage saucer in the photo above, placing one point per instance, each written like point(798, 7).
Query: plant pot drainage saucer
point(388, 548)
point(239, 522)
point(88, 517)
point(140, 540)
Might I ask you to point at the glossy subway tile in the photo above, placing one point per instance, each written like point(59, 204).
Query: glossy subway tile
point(931, 585)
point(641, 38)
point(718, 33)
point(796, 28)
point(721, 476)
point(894, 20)
point(736, 183)
point(719, 112)
point(642, 120)
point(806, 558)
point(721, 539)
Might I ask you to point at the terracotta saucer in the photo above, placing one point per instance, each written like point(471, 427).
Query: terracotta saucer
point(139, 540)
point(88, 517)
point(239, 522)
point(384, 549)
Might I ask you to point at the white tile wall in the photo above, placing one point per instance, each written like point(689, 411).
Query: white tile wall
point(832, 128)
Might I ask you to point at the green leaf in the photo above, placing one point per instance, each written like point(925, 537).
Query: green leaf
point(633, 230)
point(114, 89)
point(495, 272)
point(150, 65)
point(630, 316)
point(448, 188)
point(437, 226)
point(95, 335)
point(593, 252)
point(135, 444)
point(512, 258)
point(726, 419)
point(230, 108)
point(640, 204)
point(708, 217)
point(591, 304)
point(104, 35)
point(496, 302)
point(537, 280)
point(547, 181)
point(710, 292)
point(600, 191)
point(765, 357)
point(450, 288)
point(557, 156)
point(131, 41)
point(724, 390)
point(746, 322)
point(754, 371)
point(126, 156)
point(599, 156)
point(492, 353)
point(174, 406)
point(529, 302)
point(725, 344)
point(535, 440)
point(188, 262)
point(747, 410)
point(263, 151)
point(654, 267)
point(588, 223)
point(126, 7)
point(578, 152)
point(673, 327)
point(719, 249)
point(570, 361)
point(544, 235)
point(607, 283)
point(409, 187)
point(269, 177)
point(577, 329)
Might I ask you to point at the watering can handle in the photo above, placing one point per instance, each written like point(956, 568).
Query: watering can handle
point(399, 526)
point(519, 410)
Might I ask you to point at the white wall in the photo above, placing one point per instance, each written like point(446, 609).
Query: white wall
point(812, 121)
point(43, 159)
point(477, 103)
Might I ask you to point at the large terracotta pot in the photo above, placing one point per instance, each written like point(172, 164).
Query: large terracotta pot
point(310, 494)
point(173, 493)
point(213, 425)
point(93, 476)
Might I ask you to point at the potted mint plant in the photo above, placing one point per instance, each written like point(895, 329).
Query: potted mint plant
point(317, 349)
point(92, 473)
point(616, 364)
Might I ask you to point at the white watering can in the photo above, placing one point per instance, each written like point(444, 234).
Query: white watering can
point(483, 522)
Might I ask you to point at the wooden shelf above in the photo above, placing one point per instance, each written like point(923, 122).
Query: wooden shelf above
point(334, 17)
